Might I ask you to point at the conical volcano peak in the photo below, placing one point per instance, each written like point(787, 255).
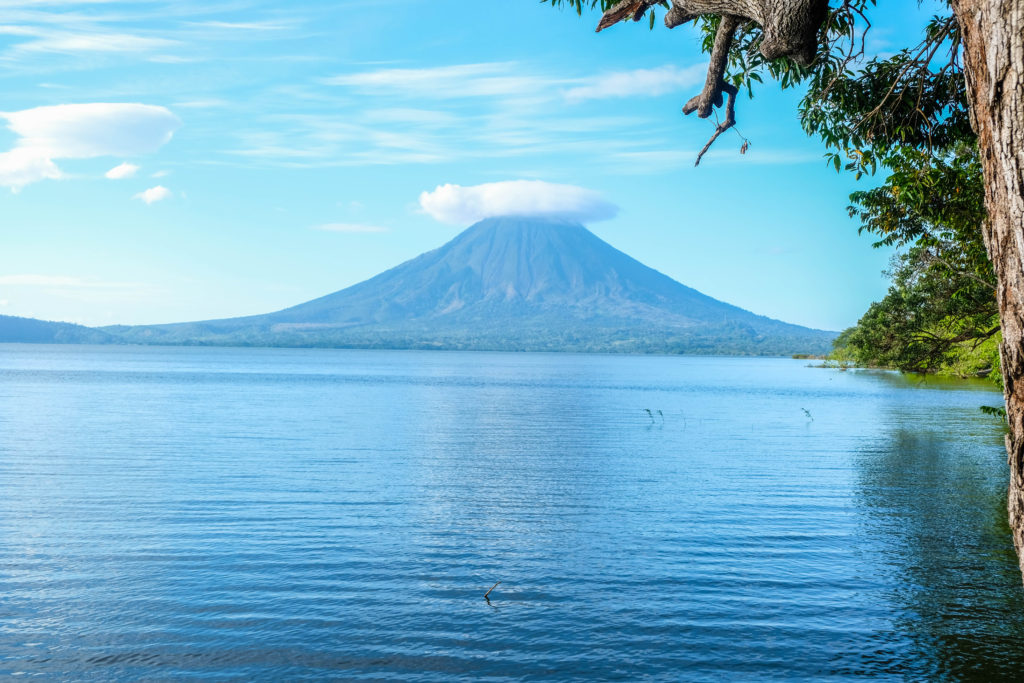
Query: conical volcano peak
point(520, 227)
point(513, 283)
point(532, 222)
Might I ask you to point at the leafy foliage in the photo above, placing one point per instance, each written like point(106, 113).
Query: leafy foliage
point(905, 113)
point(940, 313)
point(604, 5)
point(580, 5)
point(994, 411)
point(936, 317)
point(864, 108)
point(929, 199)
point(915, 99)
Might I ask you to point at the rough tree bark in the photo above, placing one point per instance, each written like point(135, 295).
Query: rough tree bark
point(993, 39)
point(790, 26)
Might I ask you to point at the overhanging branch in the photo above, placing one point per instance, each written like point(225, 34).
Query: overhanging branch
point(789, 27)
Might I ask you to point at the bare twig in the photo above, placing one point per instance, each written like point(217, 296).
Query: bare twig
point(729, 122)
point(715, 85)
point(489, 591)
point(922, 58)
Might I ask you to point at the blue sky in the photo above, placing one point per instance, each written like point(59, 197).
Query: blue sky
point(169, 161)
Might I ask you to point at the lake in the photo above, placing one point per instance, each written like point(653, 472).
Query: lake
point(274, 514)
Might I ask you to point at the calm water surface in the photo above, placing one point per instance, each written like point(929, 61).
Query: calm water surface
point(231, 515)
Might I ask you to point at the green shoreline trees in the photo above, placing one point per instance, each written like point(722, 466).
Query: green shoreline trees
point(940, 313)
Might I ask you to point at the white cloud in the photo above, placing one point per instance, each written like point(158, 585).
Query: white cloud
point(21, 167)
point(79, 131)
point(172, 59)
point(350, 227)
point(70, 43)
point(649, 82)
point(122, 171)
point(508, 79)
point(84, 37)
point(153, 194)
point(246, 25)
point(209, 103)
point(444, 114)
point(45, 3)
point(489, 79)
point(35, 280)
point(463, 205)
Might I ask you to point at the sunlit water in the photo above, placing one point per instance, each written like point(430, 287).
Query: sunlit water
point(231, 514)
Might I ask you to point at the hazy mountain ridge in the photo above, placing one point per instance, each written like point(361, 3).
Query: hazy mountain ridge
point(14, 329)
point(509, 284)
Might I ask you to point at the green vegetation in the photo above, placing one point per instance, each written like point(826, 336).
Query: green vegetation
point(940, 313)
point(14, 329)
point(537, 335)
point(907, 115)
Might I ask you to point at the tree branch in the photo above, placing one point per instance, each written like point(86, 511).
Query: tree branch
point(715, 85)
point(729, 122)
point(627, 9)
point(789, 29)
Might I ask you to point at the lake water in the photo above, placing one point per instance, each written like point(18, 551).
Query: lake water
point(241, 514)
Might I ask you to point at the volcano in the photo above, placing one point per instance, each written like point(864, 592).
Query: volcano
point(512, 284)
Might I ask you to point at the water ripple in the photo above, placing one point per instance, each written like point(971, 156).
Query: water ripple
point(236, 515)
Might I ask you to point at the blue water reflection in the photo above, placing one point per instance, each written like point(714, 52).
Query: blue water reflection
point(240, 514)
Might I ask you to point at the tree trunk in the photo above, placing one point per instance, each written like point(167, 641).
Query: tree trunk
point(993, 40)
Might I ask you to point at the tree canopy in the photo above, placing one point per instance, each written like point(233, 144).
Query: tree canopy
point(904, 116)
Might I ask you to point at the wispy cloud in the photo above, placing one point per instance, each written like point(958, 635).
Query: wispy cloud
point(14, 4)
point(247, 25)
point(173, 59)
point(122, 171)
point(443, 114)
point(59, 281)
point(639, 82)
point(39, 33)
point(350, 227)
point(489, 79)
point(208, 103)
point(49, 39)
point(512, 79)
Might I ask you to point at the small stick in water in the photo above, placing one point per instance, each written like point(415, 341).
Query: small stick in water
point(489, 592)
